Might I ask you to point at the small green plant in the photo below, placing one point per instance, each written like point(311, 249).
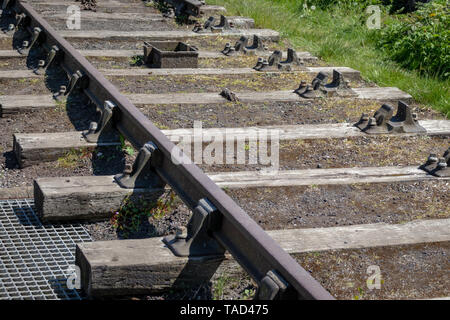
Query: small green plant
point(219, 287)
point(137, 60)
point(61, 105)
point(248, 294)
point(73, 157)
point(133, 212)
point(361, 294)
point(126, 148)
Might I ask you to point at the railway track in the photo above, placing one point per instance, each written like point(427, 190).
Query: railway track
point(89, 122)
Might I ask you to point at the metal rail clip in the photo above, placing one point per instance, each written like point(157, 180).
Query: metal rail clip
point(103, 131)
point(383, 122)
point(78, 81)
point(19, 19)
point(142, 173)
point(195, 240)
point(275, 61)
point(28, 44)
point(208, 26)
point(319, 88)
point(44, 64)
point(241, 46)
point(439, 167)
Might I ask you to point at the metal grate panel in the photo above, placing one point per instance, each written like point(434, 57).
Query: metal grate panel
point(34, 257)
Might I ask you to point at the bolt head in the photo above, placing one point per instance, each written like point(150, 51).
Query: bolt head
point(442, 163)
point(372, 122)
point(432, 158)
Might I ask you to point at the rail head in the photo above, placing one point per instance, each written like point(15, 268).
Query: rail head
point(218, 215)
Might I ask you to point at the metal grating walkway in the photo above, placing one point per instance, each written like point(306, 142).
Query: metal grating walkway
point(34, 257)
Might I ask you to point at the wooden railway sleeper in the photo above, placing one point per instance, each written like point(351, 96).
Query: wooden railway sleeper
point(383, 121)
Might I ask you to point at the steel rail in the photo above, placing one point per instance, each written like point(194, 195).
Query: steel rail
point(250, 245)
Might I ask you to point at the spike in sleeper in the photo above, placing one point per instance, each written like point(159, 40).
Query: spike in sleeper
point(383, 121)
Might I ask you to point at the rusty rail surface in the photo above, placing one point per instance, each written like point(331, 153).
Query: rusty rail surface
point(217, 220)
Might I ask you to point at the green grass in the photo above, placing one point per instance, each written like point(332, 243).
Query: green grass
point(340, 37)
